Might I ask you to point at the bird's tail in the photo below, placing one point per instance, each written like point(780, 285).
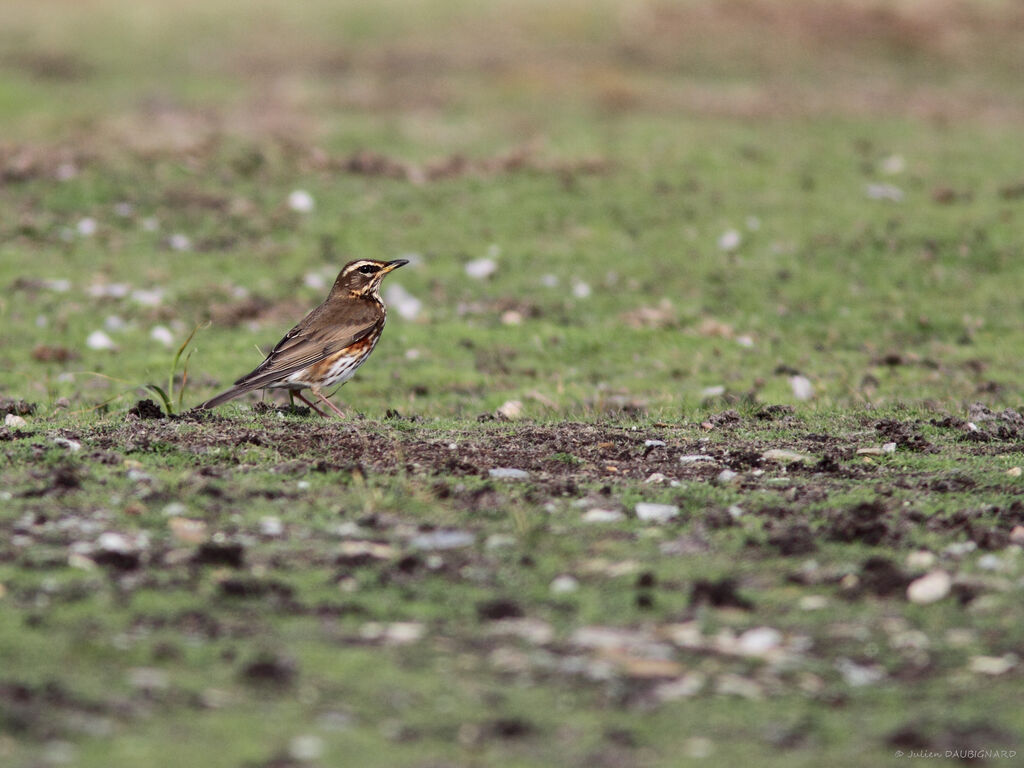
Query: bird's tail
point(223, 397)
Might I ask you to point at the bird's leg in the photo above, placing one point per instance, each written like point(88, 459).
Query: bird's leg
point(319, 412)
point(328, 403)
point(291, 399)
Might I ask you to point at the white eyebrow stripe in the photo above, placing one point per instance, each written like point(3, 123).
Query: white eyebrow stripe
point(357, 264)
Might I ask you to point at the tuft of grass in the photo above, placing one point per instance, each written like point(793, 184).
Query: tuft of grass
point(167, 395)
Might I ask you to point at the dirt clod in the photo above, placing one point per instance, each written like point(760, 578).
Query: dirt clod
point(718, 594)
point(866, 522)
point(146, 409)
point(499, 608)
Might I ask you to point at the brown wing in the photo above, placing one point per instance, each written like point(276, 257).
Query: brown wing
point(326, 330)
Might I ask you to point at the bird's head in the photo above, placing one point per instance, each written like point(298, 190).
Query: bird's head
point(363, 277)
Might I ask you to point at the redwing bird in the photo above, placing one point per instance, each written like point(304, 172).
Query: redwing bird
point(329, 344)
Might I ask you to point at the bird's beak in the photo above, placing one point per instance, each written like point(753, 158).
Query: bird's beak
point(392, 265)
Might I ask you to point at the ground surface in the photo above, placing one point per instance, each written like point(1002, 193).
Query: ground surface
point(755, 262)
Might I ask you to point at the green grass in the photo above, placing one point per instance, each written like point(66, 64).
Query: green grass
point(644, 135)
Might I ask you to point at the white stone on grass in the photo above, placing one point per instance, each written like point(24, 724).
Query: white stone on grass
point(72, 445)
point(813, 602)
point(727, 477)
point(301, 201)
point(86, 227)
point(730, 240)
point(99, 340)
point(508, 473)
point(602, 516)
point(802, 387)
point(511, 409)
point(858, 675)
point(404, 303)
point(921, 560)
point(306, 748)
point(162, 334)
point(148, 298)
point(993, 665)
point(271, 526)
point(784, 456)
point(694, 458)
point(930, 588)
point(179, 242)
point(481, 269)
point(564, 584)
point(14, 421)
point(581, 290)
point(759, 641)
point(443, 539)
point(888, 192)
point(656, 513)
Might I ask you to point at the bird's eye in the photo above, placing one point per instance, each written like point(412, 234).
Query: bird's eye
point(368, 269)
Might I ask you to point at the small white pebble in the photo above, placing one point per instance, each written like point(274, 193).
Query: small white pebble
point(656, 513)
point(146, 298)
point(735, 512)
point(306, 748)
point(564, 584)
point(14, 421)
point(730, 240)
point(59, 285)
point(930, 588)
point(114, 323)
point(499, 541)
point(990, 562)
point(993, 665)
point(86, 227)
point(151, 224)
point(884, 192)
point(726, 476)
point(162, 334)
point(921, 560)
point(271, 526)
point(511, 409)
point(760, 640)
point(694, 458)
point(302, 485)
point(893, 164)
point(99, 340)
point(581, 290)
point(72, 445)
point(888, 447)
point(481, 269)
point(813, 602)
point(124, 210)
point(602, 516)
point(508, 473)
point(404, 303)
point(301, 201)
point(549, 280)
point(1014, 472)
point(715, 391)
point(802, 387)
point(745, 341)
point(179, 242)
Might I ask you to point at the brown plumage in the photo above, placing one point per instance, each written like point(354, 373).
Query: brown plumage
point(329, 343)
